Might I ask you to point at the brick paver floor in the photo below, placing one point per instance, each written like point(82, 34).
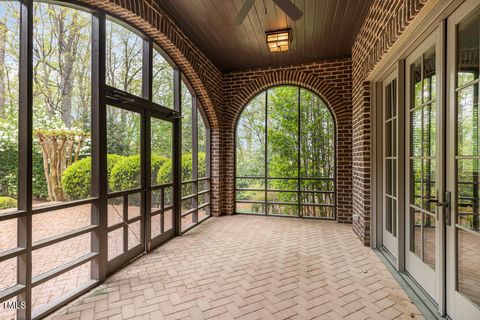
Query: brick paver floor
point(55, 223)
point(246, 267)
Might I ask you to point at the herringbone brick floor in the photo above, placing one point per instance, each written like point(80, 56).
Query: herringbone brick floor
point(246, 267)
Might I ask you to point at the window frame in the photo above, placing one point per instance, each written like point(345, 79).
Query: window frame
point(298, 178)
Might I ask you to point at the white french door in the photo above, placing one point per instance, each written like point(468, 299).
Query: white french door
point(463, 162)
point(391, 119)
point(422, 230)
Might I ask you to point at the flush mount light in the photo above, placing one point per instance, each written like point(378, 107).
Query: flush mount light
point(278, 41)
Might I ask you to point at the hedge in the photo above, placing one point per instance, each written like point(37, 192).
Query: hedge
point(76, 179)
point(7, 203)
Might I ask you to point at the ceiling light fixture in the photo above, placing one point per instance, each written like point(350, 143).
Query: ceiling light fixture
point(278, 41)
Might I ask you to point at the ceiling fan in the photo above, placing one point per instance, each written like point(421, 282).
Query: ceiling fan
point(287, 6)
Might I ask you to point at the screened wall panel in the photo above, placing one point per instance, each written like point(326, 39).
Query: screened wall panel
point(88, 164)
point(285, 155)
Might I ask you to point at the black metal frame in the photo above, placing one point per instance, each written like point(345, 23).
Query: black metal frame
point(194, 195)
point(101, 96)
point(299, 179)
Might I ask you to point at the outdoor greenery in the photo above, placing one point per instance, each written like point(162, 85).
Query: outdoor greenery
point(62, 106)
point(300, 152)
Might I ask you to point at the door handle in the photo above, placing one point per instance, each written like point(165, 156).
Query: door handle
point(447, 207)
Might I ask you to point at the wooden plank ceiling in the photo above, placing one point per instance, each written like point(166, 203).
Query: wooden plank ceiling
point(327, 29)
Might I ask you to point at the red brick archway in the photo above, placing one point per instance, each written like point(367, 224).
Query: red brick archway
point(341, 111)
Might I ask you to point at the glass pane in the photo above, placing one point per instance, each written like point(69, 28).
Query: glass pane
point(317, 138)
point(123, 143)
point(416, 74)
point(61, 103)
point(429, 192)
point(9, 94)
point(429, 76)
point(416, 182)
point(187, 146)
point(468, 128)
point(162, 81)
point(468, 193)
point(429, 240)
point(416, 232)
point(282, 153)
point(416, 132)
point(468, 49)
point(202, 146)
point(123, 58)
point(429, 130)
point(391, 177)
point(161, 151)
point(250, 139)
point(468, 262)
point(388, 214)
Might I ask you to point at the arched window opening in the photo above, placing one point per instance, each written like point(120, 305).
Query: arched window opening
point(285, 155)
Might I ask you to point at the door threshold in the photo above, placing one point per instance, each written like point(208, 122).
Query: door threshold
point(414, 291)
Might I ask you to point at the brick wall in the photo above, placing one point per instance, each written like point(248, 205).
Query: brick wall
point(385, 22)
point(341, 83)
point(203, 75)
point(331, 80)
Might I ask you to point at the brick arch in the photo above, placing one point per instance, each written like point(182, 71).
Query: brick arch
point(341, 112)
point(203, 75)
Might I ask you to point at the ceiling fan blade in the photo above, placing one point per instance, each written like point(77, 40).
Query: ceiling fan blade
point(289, 8)
point(244, 11)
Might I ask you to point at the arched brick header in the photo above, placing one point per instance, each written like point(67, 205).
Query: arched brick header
point(334, 90)
point(203, 75)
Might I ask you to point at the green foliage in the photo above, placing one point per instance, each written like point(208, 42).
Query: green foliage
point(76, 179)
point(166, 171)
point(8, 170)
point(125, 174)
point(7, 203)
point(39, 183)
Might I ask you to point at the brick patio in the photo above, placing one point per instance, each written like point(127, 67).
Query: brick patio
point(245, 267)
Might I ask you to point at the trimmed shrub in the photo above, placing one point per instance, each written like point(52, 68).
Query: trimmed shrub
point(166, 171)
point(76, 179)
point(7, 203)
point(125, 173)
